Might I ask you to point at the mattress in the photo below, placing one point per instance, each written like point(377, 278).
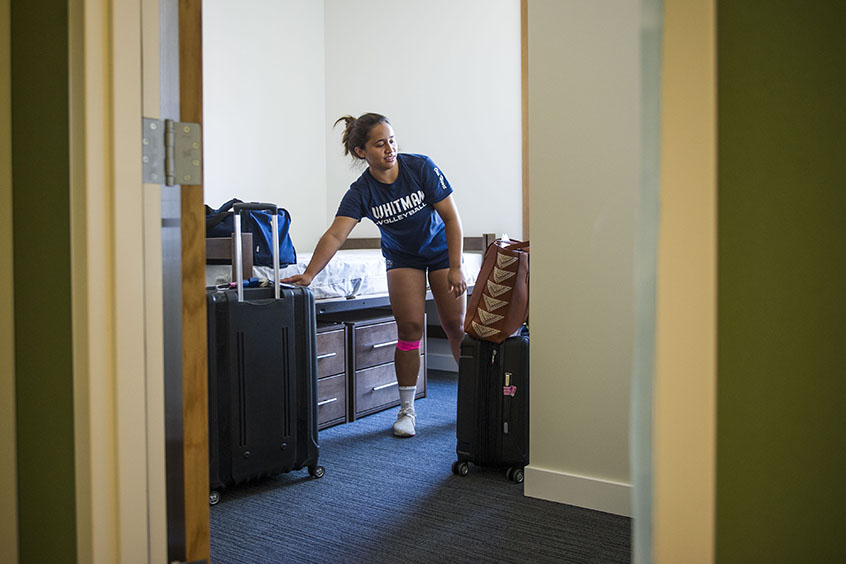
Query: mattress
point(350, 273)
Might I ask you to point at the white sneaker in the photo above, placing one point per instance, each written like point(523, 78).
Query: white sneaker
point(404, 426)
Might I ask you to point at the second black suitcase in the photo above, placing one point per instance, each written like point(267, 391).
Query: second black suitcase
point(262, 384)
point(492, 425)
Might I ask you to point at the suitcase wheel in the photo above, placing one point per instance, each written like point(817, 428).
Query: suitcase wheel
point(214, 497)
point(515, 475)
point(316, 471)
point(460, 468)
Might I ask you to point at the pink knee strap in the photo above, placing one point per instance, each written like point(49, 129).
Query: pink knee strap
point(407, 345)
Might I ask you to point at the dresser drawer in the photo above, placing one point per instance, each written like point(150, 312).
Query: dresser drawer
point(375, 344)
point(331, 400)
point(331, 352)
point(375, 388)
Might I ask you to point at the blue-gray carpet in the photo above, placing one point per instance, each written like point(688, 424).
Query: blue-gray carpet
point(386, 500)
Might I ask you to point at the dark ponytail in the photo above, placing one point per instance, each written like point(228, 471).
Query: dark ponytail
point(357, 130)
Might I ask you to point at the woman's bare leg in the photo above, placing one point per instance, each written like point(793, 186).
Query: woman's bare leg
point(450, 309)
point(407, 291)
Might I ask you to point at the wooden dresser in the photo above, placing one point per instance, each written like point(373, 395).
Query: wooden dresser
point(331, 374)
point(371, 379)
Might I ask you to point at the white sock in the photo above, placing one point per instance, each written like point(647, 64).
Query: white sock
point(407, 395)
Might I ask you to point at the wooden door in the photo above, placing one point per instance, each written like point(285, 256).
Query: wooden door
point(183, 276)
point(194, 361)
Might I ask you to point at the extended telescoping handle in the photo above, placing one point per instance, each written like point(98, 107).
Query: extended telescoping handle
point(255, 206)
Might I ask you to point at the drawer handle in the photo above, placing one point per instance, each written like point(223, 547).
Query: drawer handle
point(383, 345)
point(324, 402)
point(327, 355)
point(383, 386)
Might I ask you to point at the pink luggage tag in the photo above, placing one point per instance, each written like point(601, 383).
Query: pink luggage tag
point(509, 390)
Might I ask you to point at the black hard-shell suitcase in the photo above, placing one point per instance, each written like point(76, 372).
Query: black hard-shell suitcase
point(262, 366)
point(492, 424)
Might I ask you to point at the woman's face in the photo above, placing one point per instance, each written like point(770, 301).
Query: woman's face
point(380, 151)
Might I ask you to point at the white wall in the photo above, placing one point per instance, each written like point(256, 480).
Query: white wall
point(277, 74)
point(447, 75)
point(584, 132)
point(263, 97)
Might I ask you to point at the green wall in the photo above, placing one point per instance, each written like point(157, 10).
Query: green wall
point(42, 300)
point(782, 281)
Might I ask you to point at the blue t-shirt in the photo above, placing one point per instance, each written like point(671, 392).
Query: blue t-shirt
point(412, 230)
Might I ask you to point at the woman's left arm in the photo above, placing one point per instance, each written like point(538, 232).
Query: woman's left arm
point(448, 211)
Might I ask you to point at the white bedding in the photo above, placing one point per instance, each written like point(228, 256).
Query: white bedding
point(350, 274)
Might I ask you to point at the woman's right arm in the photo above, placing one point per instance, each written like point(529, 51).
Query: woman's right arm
point(327, 246)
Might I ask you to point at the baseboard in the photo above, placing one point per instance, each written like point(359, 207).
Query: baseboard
point(581, 491)
point(441, 362)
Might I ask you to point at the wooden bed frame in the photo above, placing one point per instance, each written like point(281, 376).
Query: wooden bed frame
point(221, 250)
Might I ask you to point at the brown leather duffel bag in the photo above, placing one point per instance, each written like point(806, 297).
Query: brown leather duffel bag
point(499, 304)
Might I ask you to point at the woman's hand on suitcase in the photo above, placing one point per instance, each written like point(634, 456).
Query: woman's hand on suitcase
point(298, 279)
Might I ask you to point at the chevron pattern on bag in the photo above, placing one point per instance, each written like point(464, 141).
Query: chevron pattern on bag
point(487, 317)
point(484, 331)
point(500, 275)
point(493, 304)
point(496, 290)
point(503, 261)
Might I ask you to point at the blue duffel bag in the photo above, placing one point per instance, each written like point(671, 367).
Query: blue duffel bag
point(221, 223)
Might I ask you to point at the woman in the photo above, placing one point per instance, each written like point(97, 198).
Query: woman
point(409, 199)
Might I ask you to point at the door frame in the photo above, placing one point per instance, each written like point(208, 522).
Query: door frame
point(118, 320)
point(114, 318)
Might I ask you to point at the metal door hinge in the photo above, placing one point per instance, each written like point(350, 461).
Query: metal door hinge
point(171, 152)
